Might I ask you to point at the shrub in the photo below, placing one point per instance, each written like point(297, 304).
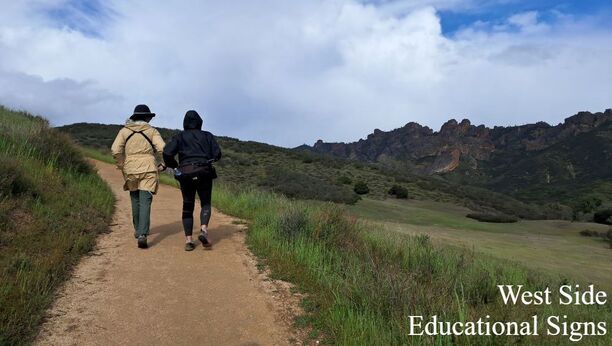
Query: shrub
point(589, 233)
point(294, 222)
point(587, 204)
point(13, 181)
point(344, 180)
point(398, 191)
point(603, 216)
point(494, 218)
point(361, 188)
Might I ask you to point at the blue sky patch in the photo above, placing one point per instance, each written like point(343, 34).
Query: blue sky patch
point(85, 16)
point(496, 12)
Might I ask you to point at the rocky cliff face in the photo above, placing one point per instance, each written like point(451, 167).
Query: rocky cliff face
point(443, 151)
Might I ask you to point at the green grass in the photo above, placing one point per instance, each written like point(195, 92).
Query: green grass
point(363, 281)
point(554, 246)
point(52, 207)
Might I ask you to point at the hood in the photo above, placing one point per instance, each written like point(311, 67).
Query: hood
point(192, 121)
point(137, 125)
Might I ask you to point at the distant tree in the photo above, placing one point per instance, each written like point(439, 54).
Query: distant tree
point(603, 216)
point(586, 205)
point(398, 191)
point(361, 188)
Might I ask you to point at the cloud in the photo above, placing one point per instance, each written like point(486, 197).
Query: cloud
point(293, 72)
point(31, 93)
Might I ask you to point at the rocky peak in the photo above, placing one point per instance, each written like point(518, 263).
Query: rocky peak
point(448, 127)
point(458, 142)
point(581, 119)
point(452, 128)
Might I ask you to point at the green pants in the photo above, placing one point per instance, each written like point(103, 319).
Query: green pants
point(141, 211)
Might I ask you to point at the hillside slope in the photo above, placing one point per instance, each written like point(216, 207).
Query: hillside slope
point(308, 175)
point(52, 207)
point(534, 162)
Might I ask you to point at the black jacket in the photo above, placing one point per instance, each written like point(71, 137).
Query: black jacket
point(192, 145)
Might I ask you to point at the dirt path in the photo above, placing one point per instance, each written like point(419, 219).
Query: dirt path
point(121, 295)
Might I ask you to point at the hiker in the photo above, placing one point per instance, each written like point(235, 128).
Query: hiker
point(135, 150)
point(194, 171)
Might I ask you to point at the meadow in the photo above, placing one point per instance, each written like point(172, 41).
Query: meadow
point(363, 281)
point(553, 246)
point(52, 207)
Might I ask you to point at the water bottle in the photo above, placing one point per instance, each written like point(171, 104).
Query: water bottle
point(177, 172)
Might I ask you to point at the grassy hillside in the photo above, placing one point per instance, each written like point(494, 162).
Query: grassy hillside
point(553, 246)
point(363, 282)
point(52, 206)
point(307, 175)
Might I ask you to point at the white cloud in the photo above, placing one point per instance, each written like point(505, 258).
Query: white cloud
point(293, 72)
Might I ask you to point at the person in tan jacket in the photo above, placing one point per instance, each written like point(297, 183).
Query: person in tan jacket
point(137, 149)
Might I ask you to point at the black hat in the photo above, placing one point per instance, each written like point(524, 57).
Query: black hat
point(141, 112)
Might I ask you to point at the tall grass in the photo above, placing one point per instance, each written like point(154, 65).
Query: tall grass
point(363, 283)
point(52, 206)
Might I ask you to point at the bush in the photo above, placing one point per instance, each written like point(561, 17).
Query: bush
point(603, 217)
point(494, 218)
point(398, 191)
point(13, 181)
point(587, 204)
point(589, 233)
point(294, 222)
point(344, 180)
point(361, 188)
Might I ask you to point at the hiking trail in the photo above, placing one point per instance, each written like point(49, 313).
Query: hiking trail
point(122, 295)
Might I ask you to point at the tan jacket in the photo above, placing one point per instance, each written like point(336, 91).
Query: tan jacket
point(137, 155)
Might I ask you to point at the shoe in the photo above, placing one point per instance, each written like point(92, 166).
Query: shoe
point(142, 242)
point(189, 246)
point(203, 238)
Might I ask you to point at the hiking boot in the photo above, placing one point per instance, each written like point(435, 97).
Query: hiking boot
point(190, 246)
point(203, 238)
point(142, 242)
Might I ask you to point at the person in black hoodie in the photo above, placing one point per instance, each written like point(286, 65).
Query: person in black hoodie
point(196, 151)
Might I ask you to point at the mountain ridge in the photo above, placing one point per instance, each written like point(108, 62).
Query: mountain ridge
point(441, 151)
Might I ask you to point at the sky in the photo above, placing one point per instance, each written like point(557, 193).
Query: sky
point(292, 72)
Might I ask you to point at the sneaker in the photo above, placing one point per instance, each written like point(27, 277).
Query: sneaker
point(142, 242)
point(189, 246)
point(203, 237)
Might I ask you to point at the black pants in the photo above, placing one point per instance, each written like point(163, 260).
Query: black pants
point(203, 186)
